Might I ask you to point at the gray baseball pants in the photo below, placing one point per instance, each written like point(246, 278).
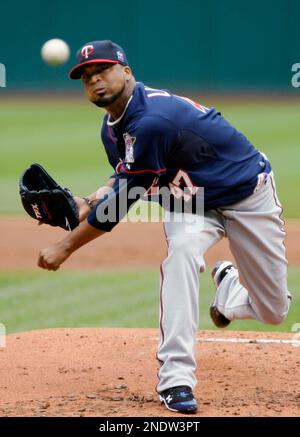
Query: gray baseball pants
point(257, 290)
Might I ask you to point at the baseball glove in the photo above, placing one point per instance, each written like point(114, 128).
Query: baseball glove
point(46, 201)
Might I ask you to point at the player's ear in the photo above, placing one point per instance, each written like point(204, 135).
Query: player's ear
point(127, 72)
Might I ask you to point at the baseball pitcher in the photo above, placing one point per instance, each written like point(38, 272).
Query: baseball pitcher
point(155, 139)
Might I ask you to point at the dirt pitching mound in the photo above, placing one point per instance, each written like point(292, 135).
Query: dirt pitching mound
point(129, 245)
point(112, 372)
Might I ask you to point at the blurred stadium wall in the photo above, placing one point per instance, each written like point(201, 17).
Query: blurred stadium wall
point(220, 45)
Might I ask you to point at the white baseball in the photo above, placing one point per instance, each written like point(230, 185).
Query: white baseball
point(55, 52)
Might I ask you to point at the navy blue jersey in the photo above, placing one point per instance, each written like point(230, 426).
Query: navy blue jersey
point(170, 139)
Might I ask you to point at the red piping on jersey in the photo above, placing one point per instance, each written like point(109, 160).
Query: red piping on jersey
point(118, 167)
point(110, 134)
point(142, 171)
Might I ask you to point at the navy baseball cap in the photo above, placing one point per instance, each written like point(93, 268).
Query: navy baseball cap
point(98, 52)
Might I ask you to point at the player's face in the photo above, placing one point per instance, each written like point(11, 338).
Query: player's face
point(104, 83)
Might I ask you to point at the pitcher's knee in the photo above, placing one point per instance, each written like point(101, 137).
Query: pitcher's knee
point(274, 319)
point(186, 244)
point(276, 316)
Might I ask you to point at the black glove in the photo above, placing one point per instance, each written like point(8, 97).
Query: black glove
point(44, 200)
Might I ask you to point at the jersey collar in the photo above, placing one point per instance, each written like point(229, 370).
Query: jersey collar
point(133, 106)
point(113, 123)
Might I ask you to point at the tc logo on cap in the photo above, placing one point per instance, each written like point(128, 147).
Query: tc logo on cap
point(86, 51)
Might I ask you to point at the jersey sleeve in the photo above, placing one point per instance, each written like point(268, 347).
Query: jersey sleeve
point(127, 189)
point(224, 138)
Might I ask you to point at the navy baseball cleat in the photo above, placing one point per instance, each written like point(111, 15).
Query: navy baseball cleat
point(179, 399)
point(218, 273)
point(219, 320)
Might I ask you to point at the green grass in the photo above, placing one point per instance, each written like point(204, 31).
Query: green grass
point(273, 127)
point(36, 300)
point(64, 136)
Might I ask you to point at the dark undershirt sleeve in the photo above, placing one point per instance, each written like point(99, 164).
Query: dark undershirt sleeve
point(127, 189)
